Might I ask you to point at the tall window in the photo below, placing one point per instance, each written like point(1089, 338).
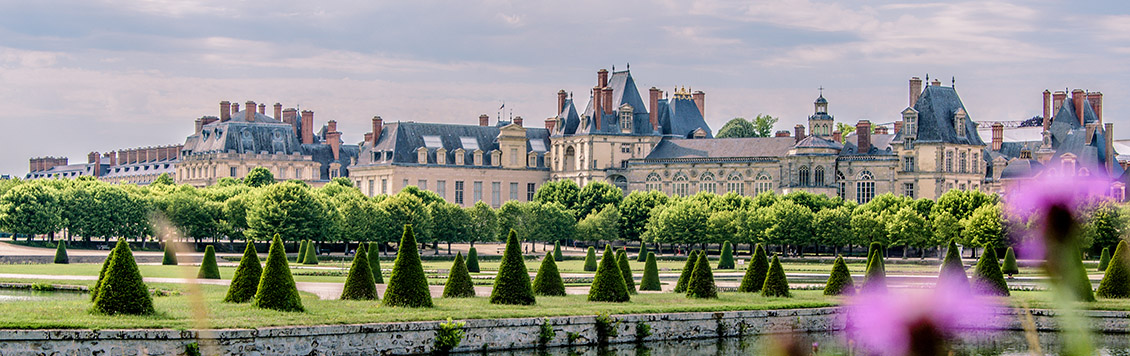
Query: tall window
point(531, 189)
point(459, 192)
point(681, 186)
point(298, 173)
point(625, 148)
point(908, 164)
point(495, 194)
point(233, 170)
point(962, 163)
point(422, 183)
point(949, 161)
point(865, 188)
point(908, 189)
point(478, 192)
point(819, 176)
point(976, 163)
point(706, 183)
point(513, 190)
point(734, 184)
point(763, 184)
point(652, 182)
point(441, 188)
point(802, 176)
point(842, 183)
point(384, 185)
point(372, 187)
point(626, 120)
point(513, 156)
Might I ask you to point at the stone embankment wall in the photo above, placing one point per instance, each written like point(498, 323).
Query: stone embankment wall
point(481, 335)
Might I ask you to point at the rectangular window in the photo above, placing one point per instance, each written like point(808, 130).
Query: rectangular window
point(735, 187)
point(384, 185)
point(422, 183)
point(624, 164)
point(459, 192)
point(625, 148)
point(680, 188)
point(405, 184)
point(843, 190)
point(706, 187)
point(233, 170)
point(908, 164)
point(908, 189)
point(372, 185)
point(496, 194)
point(513, 156)
point(441, 189)
point(962, 186)
point(864, 192)
point(531, 188)
point(514, 191)
point(478, 191)
point(298, 173)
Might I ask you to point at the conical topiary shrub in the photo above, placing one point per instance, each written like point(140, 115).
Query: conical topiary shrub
point(311, 256)
point(776, 284)
point(839, 282)
point(548, 282)
point(626, 270)
point(122, 290)
point(359, 284)
point(590, 260)
point(208, 267)
point(608, 284)
point(952, 272)
point(726, 260)
point(407, 286)
point(1116, 280)
point(1009, 267)
point(755, 274)
point(1080, 284)
point(101, 275)
point(473, 261)
point(650, 279)
point(61, 253)
point(458, 280)
point(374, 256)
point(987, 277)
point(245, 281)
point(1104, 259)
point(512, 284)
point(301, 251)
point(701, 283)
point(685, 275)
point(557, 255)
point(642, 257)
point(875, 279)
point(872, 250)
point(170, 257)
point(276, 286)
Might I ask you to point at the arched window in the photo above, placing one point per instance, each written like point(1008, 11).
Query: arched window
point(570, 159)
point(706, 183)
point(734, 184)
point(620, 182)
point(819, 176)
point(864, 188)
point(652, 182)
point(842, 184)
point(681, 186)
point(764, 184)
point(802, 176)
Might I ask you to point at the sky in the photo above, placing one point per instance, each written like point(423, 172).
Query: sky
point(98, 75)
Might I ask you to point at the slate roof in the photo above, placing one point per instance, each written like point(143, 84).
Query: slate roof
point(677, 116)
point(404, 138)
point(880, 145)
point(722, 148)
point(818, 142)
point(680, 117)
point(936, 107)
point(68, 171)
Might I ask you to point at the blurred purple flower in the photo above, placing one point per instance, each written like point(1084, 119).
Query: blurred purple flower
point(915, 322)
point(1051, 199)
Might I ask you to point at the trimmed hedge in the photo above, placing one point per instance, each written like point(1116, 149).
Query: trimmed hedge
point(642, 256)
point(373, 254)
point(1080, 284)
point(122, 290)
point(685, 275)
point(590, 260)
point(458, 280)
point(548, 281)
point(276, 286)
point(953, 270)
point(876, 278)
point(557, 255)
point(301, 251)
point(102, 274)
point(359, 285)
point(1009, 267)
point(311, 256)
point(208, 267)
point(839, 282)
point(701, 284)
point(987, 277)
point(608, 284)
point(626, 270)
point(1104, 259)
point(473, 260)
point(726, 260)
point(755, 274)
point(170, 257)
point(776, 284)
point(1116, 280)
point(245, 281)
point(61, 253)
point(407, 286)
point(512, 284)
point(650, 279)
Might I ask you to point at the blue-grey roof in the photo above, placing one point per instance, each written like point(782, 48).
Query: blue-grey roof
point(818, 142)
point(404, 138)
point(679, 116)
point(572, 120)
point(936, 107)
point(722, 148)
point(880, 145)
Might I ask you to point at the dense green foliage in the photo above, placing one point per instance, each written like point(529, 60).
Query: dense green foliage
point(170, 256)
point(277, 290)
point(374, 257)
point(311, 255)
point(650, 279)
point(61, 253)
point(122, 290)
point(755, 274)
point(359, 284)
point(407, 286)
point(473, 260)
point(1116, 280)
point(685, 275)
point(726, 260)
point(208, 267)
point(258, 177)
point(701, 282)
point(1104, 259)
point(557, 255)
point(952, 272)
point(776, 284)
point(291, 210)
point(760, 126)
point(245, 281)
point(608, 284)
point(1009, 267)
point(512, 284)
point(987, 276)
point(548, 281)
point(603, 225)
point(839, 281)
point(459, 280)
point(301, 251)
point(626, 270)
point(590, 260)
point(642, 256)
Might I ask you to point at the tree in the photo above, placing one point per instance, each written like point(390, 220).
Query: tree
point(832, 227)
point(548, 281)
point(701, 282)
point(259, 177)
point(985, 227)
point(565, 192)
point(601, 226)
point(685, 275)
point(1009, 267)
point(195, 215)
point(839, 281)
point(408, 286)
point(737, 128)
point(208, 267)
point(952, 272)
point(517, 216)
point(635, 210)
point(61, 253)
point(776, 284)
point(358, 218)
point(170, 257)
point(122, 290)
point(483, 223)
point(681, 222)
point(596, 196)
point(907, 228)
point(557, 255)
point(1116, 280)
point(374, 257)
point(792, 223)
point(426, 196)
point(289, 210)
point(754, 276)
point(473, 260)
point(608, 284)
point(276, 286)
point(987, 277)
point(31, 208)
point(946, 227)
point(359, 284)
point(763, 125)
point(875, 279)
point(234, 215)
point(1104, 259)
point(101, 275)
point(726, 260)
point(245, 281)
point(311, 256)
point(450, 223)
point(867, 227)
point(551, 222)
point(650, 279)
point(458, 280)
point(163, 179)
point(590, 260)
point(626, 270)
point(408, 209)
point(512, 284)
point(1104, 224)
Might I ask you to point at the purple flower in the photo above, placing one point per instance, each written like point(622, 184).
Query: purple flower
point(914, 322)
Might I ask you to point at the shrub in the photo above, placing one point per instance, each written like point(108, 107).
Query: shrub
point(545, 333)
point(607, 327)
point(1116, 280)
point(1081, 284)
point(170, 258)
point(276, 285)
point(685, 275)
point(626, 270)
point(311, 255)
point(726, 260)
point(359, 284)
point(101, 275)
point(458, 280)
point(608, 284)
point(208, 267)
point(374, 255)
point(449, 335)
point(590, 260)
point(245, 281)
point(61, 253)
point(473, 261)
point(122, 291)
point(512, 284)
point(875, 279)
point(548, 281)
point(872, 249)
point(755, 274)
point(987, 277)
point(1104, 259)
point(301, 251)
point(650, 279)
point(557, 255)
point(839, 282)
point(776, 284)
point(953, 270)
point(407, 286)
point(642, 257)
point(1009, 267)
point(701, 283)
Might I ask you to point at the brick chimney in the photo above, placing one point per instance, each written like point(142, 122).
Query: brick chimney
point(1108, 136)
point(290, 116)
point(915, 90)
point(278, 111)
point(1096, 100)
point(998, 136)
point(700, 101)
point(550, 123)
point(608, 106)
point(225, 110)
point(881, 130)
point(368, 137)
point(333, 137)
point(307, 129)
point(249, 112)
point(378, 126)
point(1047, 109)
point(517, 120)
point(92, 157)
point(234, 108)
point(602, 78)
point(838, 136)
point(263, 109)
point(782, 133)
point(113, 156)
point(1077, 98)
point(560, 101)
point(798, 132)
point(484, 120)
point(199, 125)
point(653, 107)
point(1090, 127)
point(863, 136)
point(898, 126)
point(597, 110)
point(1057, 101)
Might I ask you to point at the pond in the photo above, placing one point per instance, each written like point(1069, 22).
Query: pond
point(968, 343)
point(27, 295)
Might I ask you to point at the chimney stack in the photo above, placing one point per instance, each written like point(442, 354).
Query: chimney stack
point(838, 136)
point(863, 136)
point(1096, 100)
point(798, 132)
point(1077, 98)
point(597, 110)
point(602, 78)
point(92, 157)
point(484, 120)
point(898, 127)
point(782, 133)
point(249, 112)
point(290, 116)
point(378, 126)
point(653, 107)
point(263, 109)
point(607, 97)
point(936, 82)
point(700, 101)
point(278, 111)
point(998, 136)
point(881, 130)
point(550, 123)
point(234, 108)
point(1057, 101)
point(225, 110)
point(333, 138)
point(1108, 136)
point(199, 125)
point(560, 101)
point(307, 126)
point(1047, 109)
point(915, 90)
point(517, 120)
point(331, 126)
point(113, 155)
point(1090, 127)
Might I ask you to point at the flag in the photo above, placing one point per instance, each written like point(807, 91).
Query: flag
point(503, 105)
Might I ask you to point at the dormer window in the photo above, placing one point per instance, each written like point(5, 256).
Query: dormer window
point(422, 155)
point(460, 156)
point(959, 122)
point(441, 155)
point(909, 124)
point(1068, 164)
point(626, 118)
point(478, 159)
